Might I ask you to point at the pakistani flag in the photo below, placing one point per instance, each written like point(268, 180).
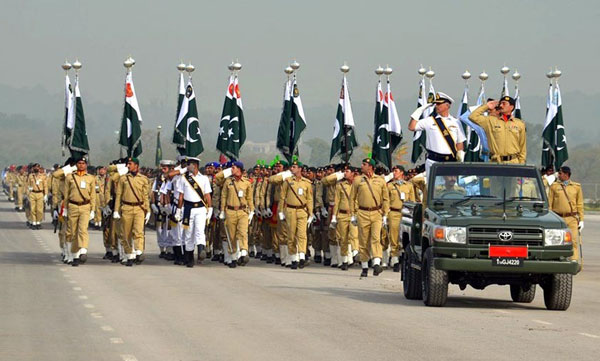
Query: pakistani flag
point(390, 118)
point(554, 151)
point(292, 121)
point(189, 125)
point(419, 137)
point(68, 122)
point(517, 111)
point(380, 149)
point(232, 130)
point(78, 144)
point(473, 144)
point(179, 131)
point(158, 156)
point(344, 140)
point(505, 91)
point(131, 123)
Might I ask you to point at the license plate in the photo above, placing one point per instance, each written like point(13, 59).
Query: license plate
point(507, 262)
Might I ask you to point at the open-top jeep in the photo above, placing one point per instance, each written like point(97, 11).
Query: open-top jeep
point(482, 224)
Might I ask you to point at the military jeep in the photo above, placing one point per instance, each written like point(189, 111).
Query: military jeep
point(482, 224)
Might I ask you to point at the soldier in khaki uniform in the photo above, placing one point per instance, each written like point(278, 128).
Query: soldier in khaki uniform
point(331, 236)
point(506, 134)
point(296, 210)
point(81, 199)
point(21, 180)
point(341, 216)
point(133, 209)
point(279, 229)
point(38, 195)
point(237, 209)
point(59, 206)
point(100, 192)
point(11, 180)
point(566, 200)
point(267, 217)
point(369, 206)
point(400, 192)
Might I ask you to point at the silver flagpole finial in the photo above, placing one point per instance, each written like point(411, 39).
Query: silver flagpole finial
point(237, 66)
point(77, 65)
point(430, 74)
point(379, 70)
point(466, 75)
point(483, 76)
point(556, 73)
point(295, 65)
point(181, 67)
point(504, 70)
point(422, 71)
point(388, 71)
point(230, 66)
point(288, 70)
point(190, 68)
point(550, 74)
point(159, 127)
point(516, 76)
point(344, 68)
point(129, 63)
point(66, 66)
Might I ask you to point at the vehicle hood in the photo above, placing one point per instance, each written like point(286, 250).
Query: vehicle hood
point(494, 216)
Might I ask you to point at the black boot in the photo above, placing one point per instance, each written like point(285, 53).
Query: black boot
point(294, 265)
point(264, 257)
point(302, 263)
point(129, 263)
point(215, 258)
point(139, 258)
point(83, 258)
point(75, 262)
point(377, 270)
point(177, 255)
point(397, 267)
point(327, 262)
point(189, 259)
point(318, 258)
point(345, 266)
point(365, 272)
point(107, 255)
point(201, 253)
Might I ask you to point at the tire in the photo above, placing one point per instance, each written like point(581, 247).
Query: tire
point(518, 294)
point(435, 282)
point(558, 290)
point(411, 277)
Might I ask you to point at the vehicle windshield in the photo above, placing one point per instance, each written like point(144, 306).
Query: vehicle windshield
point(468, 183)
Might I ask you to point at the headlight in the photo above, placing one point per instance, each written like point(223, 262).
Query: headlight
point(451, 234)
point(556, 237)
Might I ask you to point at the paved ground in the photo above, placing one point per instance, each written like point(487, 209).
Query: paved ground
point(156, 311)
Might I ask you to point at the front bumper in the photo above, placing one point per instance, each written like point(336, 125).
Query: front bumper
point(485, 265)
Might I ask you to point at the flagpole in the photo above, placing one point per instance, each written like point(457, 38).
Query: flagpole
point(388, 71)
point(555, 75)
point(504, 70)
point(345, 69)
point(66, 66)
point(294, 66)
point(128, 64)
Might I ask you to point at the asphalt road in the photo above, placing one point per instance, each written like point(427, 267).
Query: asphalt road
point(157, 311)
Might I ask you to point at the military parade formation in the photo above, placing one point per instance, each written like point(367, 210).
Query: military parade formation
point(284, 213)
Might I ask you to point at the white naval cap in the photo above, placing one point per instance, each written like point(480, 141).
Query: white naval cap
point(442, 97)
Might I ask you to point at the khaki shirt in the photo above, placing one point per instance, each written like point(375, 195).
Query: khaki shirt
point(400, 192)
point(125, 192)
point(77, 185)
point(57, 189)
point(329, 183)
point(37, 183)
point(342, 198)
point(561, 204)
point(319, 193)
point(237, 193)
point(504, 138)
point(302, 188)
point(361, 196)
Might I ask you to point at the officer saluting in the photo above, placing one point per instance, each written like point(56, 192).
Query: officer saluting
point(237, 209)
point(400, 192)
point(296, 209)
point(369, 206)
point(80, 193)
point(566, 199)
point(506, 135)
point(445, 136)
point(132, 207)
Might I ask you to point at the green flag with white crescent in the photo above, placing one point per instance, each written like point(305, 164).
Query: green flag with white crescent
point(68, 122)
point(343, 141)
point(188, 115)
point(179, 130)
point(284, 133)
point(554, 151)
point(232, 130)
point(380, 149)
point(131, 124)
point(158, 156)
point(78, 144)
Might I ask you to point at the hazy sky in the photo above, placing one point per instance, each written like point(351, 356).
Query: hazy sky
point(449, 36)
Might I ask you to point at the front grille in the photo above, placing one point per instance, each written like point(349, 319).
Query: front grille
point(521, 236)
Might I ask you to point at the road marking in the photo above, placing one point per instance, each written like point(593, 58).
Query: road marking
point(542, 322)
point(116, 340)
point(66, 275)
point(107, 328)
point(96, 315)
point(128, 358)
point(502, 311)
point(82, 297)
point(88, 305)
point(71, 281)
point(76, 288)
point(589, 335)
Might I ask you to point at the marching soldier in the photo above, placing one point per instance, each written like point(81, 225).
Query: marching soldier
point(38, 195)
point(566, 199)
point(131, 201)
point(194, 209)
point(400, 192)
point(59, 205)
point(330, 247)
point(279, 230)
point(81, 199)
point(444, 133)
point(506, 134)
point(341, 217)
point(237, 210)
point(158, 207)
point(296, 210)
point(100, 191)
point(21, 181)
point(11, 180)
point(369, 206)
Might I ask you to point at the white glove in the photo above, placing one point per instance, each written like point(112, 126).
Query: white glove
point(55, 215)
point(107, 211)
point(116, 215)
point(227, 172)
point(216, 212)
point(222, 216)
point(311, 218)
point(64, 212)
point(333, 222)
point(281, 216)
point(285, 174)
point(416, 115)
point(580, 226)
point(45, 199)
point(177, 215)
point(183, 170)
point(269, 212)
point(384, 221)
point(67, 169)
point(353, 221)
point(389, 177)
point(92, 214)
point(147, 218)
point(339, 175)
point(460, 155)
point(209, 213)
point(324, 212)
point(250, 216)
point(154, 208)
point(122, 169)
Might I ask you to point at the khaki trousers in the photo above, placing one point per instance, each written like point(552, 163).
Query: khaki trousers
point(266, 242)
point(394, 219)
point(237, 226)
point(132, 226)
point(36, 201)
point(78, 219)
point(369, 234)
point(296, 220)
point(346, 232)
point(573, 225)
point(19, 200)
